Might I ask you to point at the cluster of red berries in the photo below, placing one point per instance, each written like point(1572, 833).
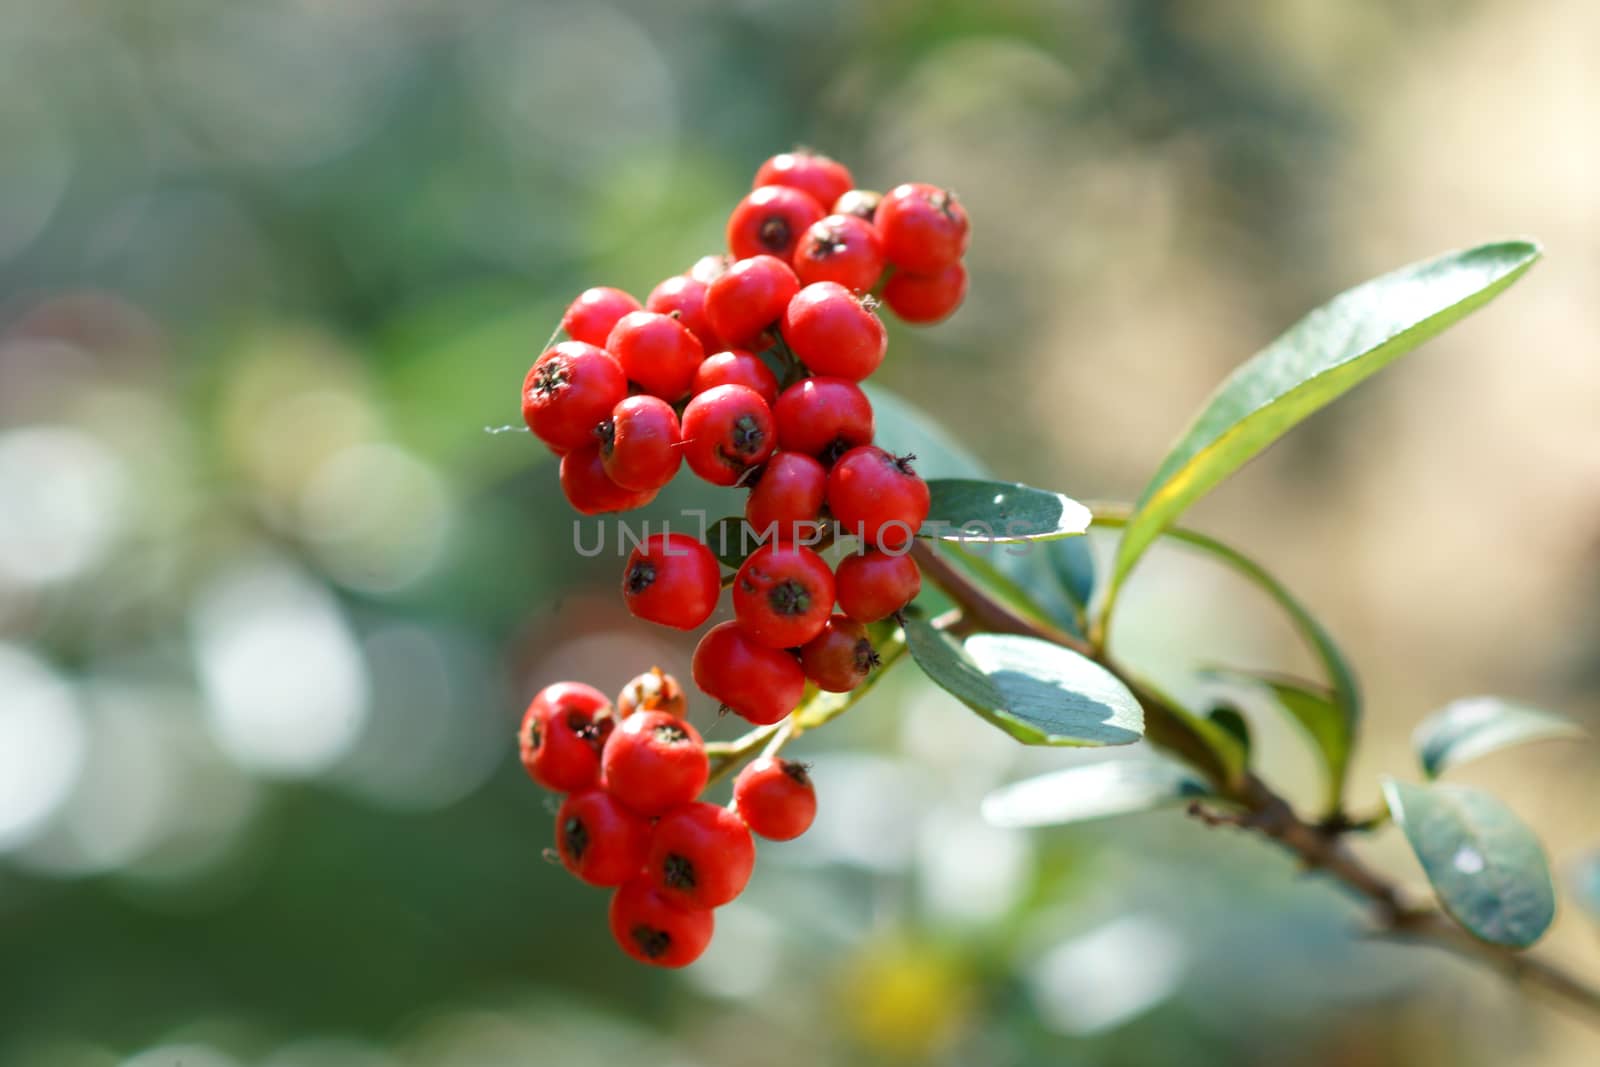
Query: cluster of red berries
point(631, 819)
point(633, 394)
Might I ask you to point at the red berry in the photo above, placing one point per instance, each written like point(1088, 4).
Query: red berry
point(726, 431)
point(759, 683)
point(701, 856)
point(654, 931)
point(599, 840)
point(862, 203)
point(709, 268)
point(833, 332)
point(737, 367)
point(769, 221)
point(840, 657)
point(877, 497)
point(590, 317)
point(775, 798)
point(786, 498)
point(823, 417)
point(590, 490)
point(562, 734)
point(873, 585)
point(925, 298)
point(821, 178)
point(569, 391)
point(672, 579)
point(843, 249)
point(656, 351)
point(749, 298)
point(685, 298)
point(782, 595)
point(654, 761)
point(639, 444)
point(923, 228)
point(653, 690)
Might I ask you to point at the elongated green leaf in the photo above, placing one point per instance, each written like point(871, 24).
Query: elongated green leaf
point(1585, 882)
point(1039, 693)
point(969, 509)
point(1093, 791)
point(1319, 359)
point(1484, 863)
point(1466, 729)
point(1315, 712)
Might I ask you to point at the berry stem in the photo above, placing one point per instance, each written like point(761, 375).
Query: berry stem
point(817, 710)
point(786, 732)
point(727, 755)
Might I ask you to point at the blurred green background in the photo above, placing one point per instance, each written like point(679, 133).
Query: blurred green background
point(271, 599)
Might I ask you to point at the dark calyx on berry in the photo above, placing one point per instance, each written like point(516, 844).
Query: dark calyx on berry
point(653, 942)
point(747, 439)
point(789, 598)
point(575, 837)
point(641, 576)
point(671, 734)
point(550, 377)
point(774, 234)
point(678, 872)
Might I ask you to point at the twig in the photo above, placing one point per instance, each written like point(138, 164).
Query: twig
point(1317, 846)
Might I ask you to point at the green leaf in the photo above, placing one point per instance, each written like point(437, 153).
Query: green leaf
point(1194, 738)
point(1072, 563)
point(903, 428)
point(1094, 791)
point(969, 509)
point(983, 568)
point(1039, 693)
point(1334, 736)
point(1319, 359)
point(1315, 711)
point(731, 539)
point(1229, 719)
point(1466, 729)
point(1585, 881)
point(1484, 863)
